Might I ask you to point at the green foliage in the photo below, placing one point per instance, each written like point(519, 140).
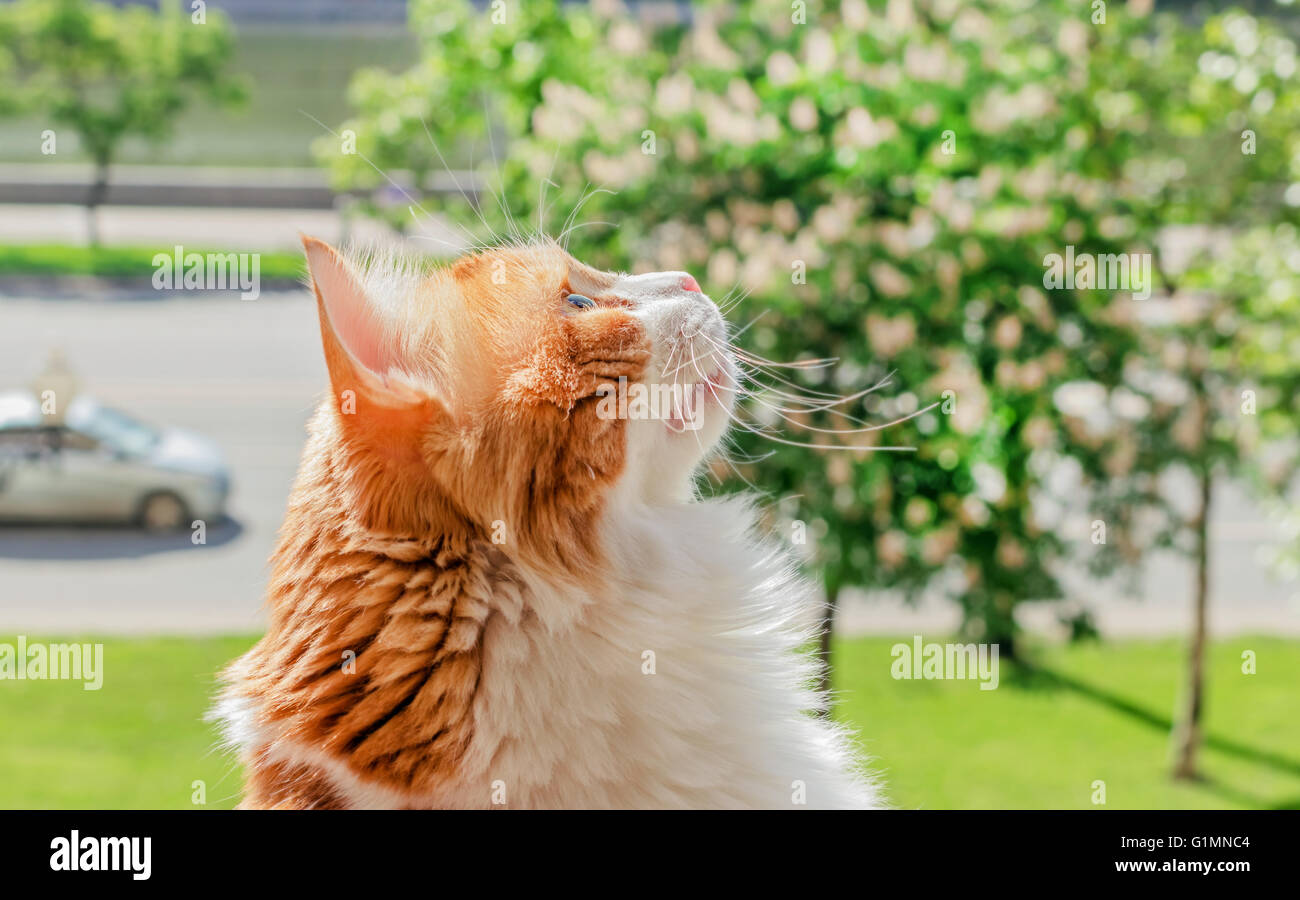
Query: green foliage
point(883, 183)
point(107, 72)
point(1210, 139)
point(410, 127)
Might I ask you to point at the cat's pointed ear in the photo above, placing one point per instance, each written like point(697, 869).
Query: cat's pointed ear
point(363, 368)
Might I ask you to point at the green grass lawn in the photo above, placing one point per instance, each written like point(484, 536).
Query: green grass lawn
point(1095, 712)
point(138, 742)
point(122, 262)
point(1092, 712)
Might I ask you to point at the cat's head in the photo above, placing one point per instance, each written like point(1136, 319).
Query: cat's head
point(516, 392)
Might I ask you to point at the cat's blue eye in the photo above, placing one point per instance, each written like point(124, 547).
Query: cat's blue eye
point(580, 301)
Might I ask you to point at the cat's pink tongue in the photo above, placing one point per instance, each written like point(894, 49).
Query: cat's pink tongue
point(690, 284)
point(676, 420)
point(686, 417)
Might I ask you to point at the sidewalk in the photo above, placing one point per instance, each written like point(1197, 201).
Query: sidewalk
point(1246, 595)
point(210, 228)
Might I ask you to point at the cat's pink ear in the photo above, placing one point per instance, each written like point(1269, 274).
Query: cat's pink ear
point(357, 350)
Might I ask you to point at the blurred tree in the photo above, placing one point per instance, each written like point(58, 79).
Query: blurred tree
point(1242, 361)
point(481, 74)
point(108, 72)
point(1210, 140)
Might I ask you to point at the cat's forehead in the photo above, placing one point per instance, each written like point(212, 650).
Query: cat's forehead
point(584, 278)
point(547, 267)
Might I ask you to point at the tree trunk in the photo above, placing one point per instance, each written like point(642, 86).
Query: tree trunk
point(98, 191)
point(1187, 735)
point(827, 632)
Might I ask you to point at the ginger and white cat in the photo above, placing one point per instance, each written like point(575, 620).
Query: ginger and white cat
point(488, 593)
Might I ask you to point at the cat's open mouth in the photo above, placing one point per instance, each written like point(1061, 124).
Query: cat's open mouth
point(690, 403)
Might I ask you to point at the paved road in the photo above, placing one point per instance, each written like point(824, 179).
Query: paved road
point(248, 373)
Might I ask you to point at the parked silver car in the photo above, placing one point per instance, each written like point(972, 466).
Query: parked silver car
point(100, 465)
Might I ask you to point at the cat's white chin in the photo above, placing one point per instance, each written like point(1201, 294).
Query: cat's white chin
point(665, 455)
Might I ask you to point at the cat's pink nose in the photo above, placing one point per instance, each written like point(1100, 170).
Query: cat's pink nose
point(690, 284)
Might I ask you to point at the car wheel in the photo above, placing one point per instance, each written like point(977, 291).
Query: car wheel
point(162, 512)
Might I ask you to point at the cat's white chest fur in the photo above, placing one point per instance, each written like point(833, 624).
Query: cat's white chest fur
point(682, 688)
